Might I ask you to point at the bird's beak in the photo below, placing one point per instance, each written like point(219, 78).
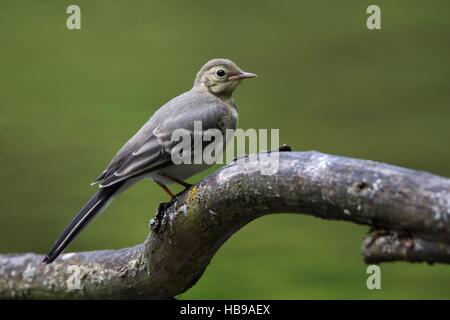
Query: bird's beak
point(242, 75)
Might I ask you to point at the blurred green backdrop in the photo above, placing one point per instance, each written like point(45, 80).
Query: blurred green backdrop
point(70, 99)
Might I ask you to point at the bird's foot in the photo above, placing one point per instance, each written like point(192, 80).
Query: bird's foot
point(182, 192)
point(156, 222)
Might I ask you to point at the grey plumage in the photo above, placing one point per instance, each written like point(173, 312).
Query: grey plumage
point(148, 152)
point(151, 146)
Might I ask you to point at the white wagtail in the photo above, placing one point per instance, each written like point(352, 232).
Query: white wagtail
point(148, 153)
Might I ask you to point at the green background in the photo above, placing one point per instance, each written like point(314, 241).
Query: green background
point(70, 99)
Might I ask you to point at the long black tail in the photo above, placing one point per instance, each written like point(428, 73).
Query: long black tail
point(97, 203)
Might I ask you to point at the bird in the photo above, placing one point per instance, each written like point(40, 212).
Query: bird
point(147, 155)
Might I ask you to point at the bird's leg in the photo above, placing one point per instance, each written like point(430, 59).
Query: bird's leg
point(167, 190)
point(180, 182)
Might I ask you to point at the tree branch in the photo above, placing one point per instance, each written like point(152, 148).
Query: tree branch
point(408, 209)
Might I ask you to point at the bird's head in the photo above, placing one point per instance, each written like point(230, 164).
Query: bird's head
point(220, 77)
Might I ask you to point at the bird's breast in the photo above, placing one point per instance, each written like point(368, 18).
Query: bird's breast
point(229, 120)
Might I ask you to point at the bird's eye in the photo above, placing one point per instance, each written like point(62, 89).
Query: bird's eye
point(220, 73)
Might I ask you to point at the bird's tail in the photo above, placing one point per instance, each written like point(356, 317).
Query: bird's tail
point(94, 206)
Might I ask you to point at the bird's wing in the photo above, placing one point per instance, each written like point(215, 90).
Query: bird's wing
point(154, 152)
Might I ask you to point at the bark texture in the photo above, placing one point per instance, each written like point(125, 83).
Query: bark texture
point(408, 211)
